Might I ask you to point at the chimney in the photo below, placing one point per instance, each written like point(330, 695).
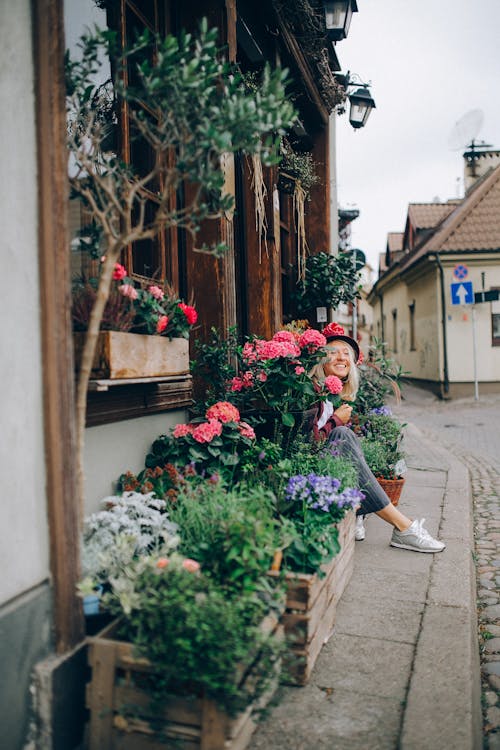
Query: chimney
point(478, 163)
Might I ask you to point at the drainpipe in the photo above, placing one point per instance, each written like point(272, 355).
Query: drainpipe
point(446, 382)
point(382, 330)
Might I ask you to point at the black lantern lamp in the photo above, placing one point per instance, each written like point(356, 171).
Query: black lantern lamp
point(362, 104)
point(338, 15)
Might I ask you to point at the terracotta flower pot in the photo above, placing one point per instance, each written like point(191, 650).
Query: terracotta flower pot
point(392, 488)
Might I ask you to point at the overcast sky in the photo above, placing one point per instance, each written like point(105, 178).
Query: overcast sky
point(429, 62)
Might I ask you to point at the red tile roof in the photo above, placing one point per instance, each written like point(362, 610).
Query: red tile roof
point(395, 241)
point(473, 225)
point(429, 215)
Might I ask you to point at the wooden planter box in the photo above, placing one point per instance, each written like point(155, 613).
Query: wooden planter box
point(135, 355)
point(120, 710)
point(311, 606)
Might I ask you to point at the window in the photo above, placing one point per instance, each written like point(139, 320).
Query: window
point(495, 323)
point(411, 308)
point(158, 257)
point(394, 330)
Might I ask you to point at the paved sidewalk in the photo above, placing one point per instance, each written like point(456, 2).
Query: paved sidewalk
point(401, 670)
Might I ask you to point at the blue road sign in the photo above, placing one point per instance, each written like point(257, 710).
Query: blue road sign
point(462, 293)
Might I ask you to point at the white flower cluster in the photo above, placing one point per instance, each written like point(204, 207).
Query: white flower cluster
point(132, 524)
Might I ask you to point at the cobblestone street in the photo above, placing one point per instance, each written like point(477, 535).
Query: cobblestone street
point(471, 430)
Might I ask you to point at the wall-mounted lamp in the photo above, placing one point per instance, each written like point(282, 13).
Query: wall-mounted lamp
point(361, 100)
point(338, 15)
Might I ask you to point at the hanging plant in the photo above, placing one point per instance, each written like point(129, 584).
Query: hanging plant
point(298, 165)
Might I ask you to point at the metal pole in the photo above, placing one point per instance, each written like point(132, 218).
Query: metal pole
point(354, 303)
point(474, 346)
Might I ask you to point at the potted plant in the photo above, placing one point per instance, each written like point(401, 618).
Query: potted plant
point(185, 663)
point(381, 445)
point(144, 330)
point(328, 281)
point(274, 379)
point(195, 647)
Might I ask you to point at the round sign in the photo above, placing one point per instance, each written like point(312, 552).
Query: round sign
point(460, 271)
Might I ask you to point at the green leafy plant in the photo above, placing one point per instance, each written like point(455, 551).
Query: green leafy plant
point(234, 534)
point(198, 638)
point(215, 364)
point(381, 444)
point(329, 280)
point(381, 379)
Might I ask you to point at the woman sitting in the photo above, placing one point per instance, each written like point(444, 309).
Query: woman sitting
point(341, 359)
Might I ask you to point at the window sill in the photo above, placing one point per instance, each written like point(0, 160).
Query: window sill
point(111, 401)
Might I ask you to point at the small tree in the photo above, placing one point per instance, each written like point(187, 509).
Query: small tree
point(191, 108)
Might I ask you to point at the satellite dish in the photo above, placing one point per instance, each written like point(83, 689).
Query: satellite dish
point(466, 130)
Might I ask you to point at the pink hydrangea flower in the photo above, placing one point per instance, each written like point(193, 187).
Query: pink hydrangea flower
point(361, 358)
point(249, 353)
point(189, 312)
point(246, 430)
point(274, 349)
point(181, 430)
point(119, 273)
point(206, 431)
point(285, 336)
point(333, 329)
point(162, 562)
point(156, 292)
point(312, 338)
point(128, 291)
point(262, 377)
point(190, 565)
point(246, 381)
point(299, 370)
point(334, 384)
point(162, 323)
point(224, 412)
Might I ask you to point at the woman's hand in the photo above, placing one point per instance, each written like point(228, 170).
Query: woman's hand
point(344, 413)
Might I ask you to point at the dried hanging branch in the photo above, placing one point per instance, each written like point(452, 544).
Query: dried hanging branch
point(260, 193)
point(299, 201)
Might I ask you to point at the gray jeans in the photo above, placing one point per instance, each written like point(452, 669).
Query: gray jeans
point(348, 446)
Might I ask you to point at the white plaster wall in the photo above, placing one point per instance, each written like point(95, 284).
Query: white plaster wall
point(110, 450)
point(459, 327)
point(23, 519)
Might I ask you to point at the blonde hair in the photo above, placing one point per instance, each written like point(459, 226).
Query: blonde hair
point(351, 384)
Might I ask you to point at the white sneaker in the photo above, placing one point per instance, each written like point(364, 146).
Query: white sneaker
point(416, 538)
point(359, 532)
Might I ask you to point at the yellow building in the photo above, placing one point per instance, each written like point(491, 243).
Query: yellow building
point(431, 273)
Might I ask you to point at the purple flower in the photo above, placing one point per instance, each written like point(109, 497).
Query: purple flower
point(321, 492)
point(385, 411)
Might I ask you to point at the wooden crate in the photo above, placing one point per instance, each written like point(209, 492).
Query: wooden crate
point(135, 355)
point(311, 606)
point(187, 722)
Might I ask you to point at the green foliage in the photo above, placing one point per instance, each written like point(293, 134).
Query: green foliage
point(215, 364)
point(232, 534)
point(198, 637)
point(381, 378)
point(381, 444)
point(329, 281)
